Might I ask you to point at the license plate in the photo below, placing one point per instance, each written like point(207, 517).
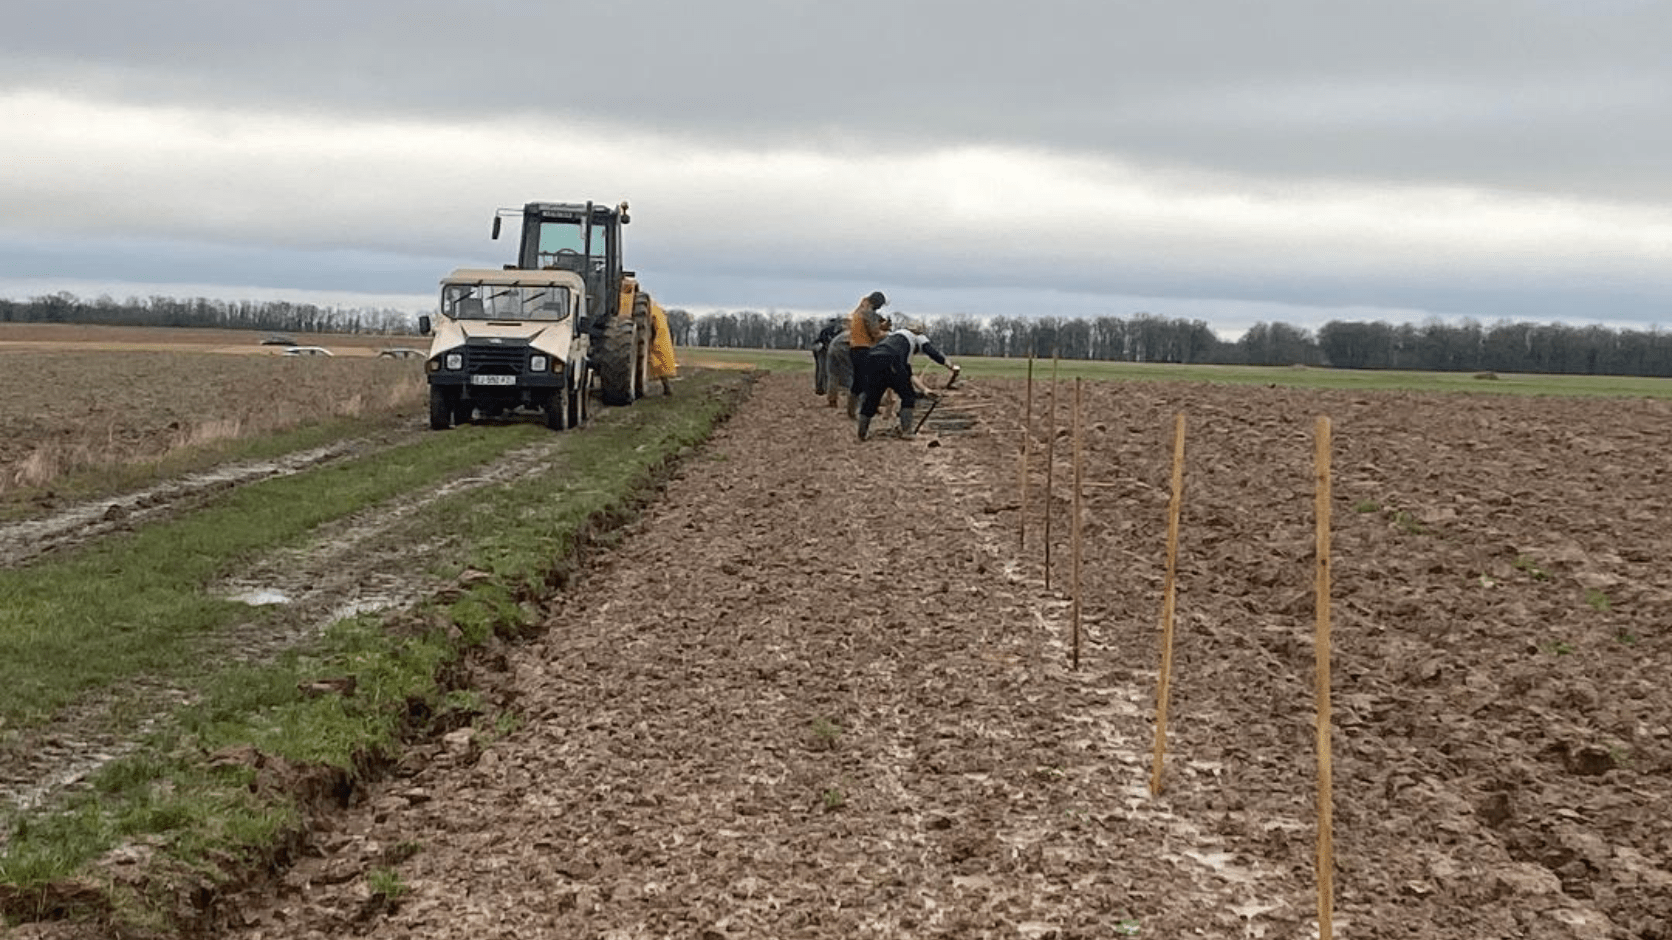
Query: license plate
point(493, 380)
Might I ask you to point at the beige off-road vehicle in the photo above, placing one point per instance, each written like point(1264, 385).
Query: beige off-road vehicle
point(505, 340)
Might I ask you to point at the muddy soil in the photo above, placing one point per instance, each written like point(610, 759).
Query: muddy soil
point(69, 526)
point(822, 691)
point(358, 564)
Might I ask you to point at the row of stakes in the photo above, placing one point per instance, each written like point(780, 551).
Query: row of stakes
point(1321, 463)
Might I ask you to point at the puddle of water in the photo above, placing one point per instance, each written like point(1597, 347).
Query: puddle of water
point(262, 597)
point(365, 605)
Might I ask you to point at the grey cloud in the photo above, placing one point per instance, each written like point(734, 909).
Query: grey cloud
point(1547, 95)
point(138, 260)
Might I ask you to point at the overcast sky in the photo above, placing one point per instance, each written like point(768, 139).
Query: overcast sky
point(1226, 160)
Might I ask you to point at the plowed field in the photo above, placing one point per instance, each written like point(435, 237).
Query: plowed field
point(820, 691)
point(81, 398)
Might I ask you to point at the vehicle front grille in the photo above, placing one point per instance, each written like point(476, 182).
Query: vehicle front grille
point(496, 359)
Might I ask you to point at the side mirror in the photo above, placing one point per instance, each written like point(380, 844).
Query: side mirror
point(496, 227)
point(423, 324)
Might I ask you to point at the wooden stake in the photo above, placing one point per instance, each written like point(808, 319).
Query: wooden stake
point(1326, 814)
point(1074, 587)
point(1163, 686)
point(1050, 464)
point(1027, 432)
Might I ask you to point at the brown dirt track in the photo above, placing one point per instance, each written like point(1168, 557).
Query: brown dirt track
point(816, 694)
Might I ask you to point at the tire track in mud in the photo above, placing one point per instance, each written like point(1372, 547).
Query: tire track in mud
point(21, 542)
point(352, 565)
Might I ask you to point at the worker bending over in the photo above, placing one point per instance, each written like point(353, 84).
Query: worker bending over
point(889, 367)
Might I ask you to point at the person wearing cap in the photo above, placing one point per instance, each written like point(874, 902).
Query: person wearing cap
point(889, 367)
point(865, 329)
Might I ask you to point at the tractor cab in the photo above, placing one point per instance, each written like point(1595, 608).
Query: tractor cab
point(584, 238)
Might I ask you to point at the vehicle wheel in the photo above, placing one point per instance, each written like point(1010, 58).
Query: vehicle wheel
point(441, 409)
point(584, 395)
point(576, 396)
point(557, 410)
point(571, 404)
point(641, 344)
point(614, 361)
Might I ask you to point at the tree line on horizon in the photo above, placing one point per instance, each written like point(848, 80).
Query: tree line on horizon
point(1433, 346)
point(274, 316)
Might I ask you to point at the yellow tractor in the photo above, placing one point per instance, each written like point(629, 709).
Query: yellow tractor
point(630, 344)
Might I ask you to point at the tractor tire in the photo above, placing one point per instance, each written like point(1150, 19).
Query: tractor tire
point(441, 409)
point(613, 357)
point(641, 344)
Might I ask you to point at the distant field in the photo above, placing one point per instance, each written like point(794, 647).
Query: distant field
point(22, 336)
point(978, 367)
point(83, 398)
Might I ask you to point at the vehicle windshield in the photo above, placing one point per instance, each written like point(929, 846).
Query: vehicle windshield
point(499, 302)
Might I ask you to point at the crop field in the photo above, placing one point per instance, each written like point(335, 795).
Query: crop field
point(80, 399)
point(824, 688)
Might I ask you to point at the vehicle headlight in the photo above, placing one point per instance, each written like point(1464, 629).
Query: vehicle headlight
point(455, 360)
point(538, 364)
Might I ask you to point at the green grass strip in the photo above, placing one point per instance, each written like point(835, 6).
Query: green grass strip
point(128, 605)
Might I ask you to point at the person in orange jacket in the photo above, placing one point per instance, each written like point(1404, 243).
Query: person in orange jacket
point(865, 329)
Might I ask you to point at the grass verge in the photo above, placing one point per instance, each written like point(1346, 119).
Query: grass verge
point(220, 791)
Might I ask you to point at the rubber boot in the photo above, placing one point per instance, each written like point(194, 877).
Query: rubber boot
point(667, 387)
point(853, 406)
point(864, 426)
point(830, 400)
point(906, 429)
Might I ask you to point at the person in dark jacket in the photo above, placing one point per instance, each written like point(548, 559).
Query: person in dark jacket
point(822, 378)
point(889, 367)
point(840, 378)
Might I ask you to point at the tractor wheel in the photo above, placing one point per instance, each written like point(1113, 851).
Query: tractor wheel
point(614, 361)
point(441, 409)
point(641, 344)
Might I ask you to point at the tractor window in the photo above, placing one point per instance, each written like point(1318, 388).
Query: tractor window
point(496, 302)
point(560, 240)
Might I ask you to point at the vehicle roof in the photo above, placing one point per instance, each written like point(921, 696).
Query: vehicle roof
point(511, 278)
